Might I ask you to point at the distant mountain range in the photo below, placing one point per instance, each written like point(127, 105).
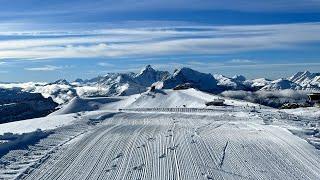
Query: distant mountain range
point(121, 84)
point(16, 105)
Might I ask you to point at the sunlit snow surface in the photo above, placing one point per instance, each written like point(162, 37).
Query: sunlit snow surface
point(166, 135)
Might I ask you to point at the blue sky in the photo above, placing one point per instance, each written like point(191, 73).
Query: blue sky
point(52, 39)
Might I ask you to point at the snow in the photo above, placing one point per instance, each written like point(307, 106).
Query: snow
point(60, 93)
point(202, 81)
point(30, 125)
point(260, 82)
point(125, 84)
point(311, 112)
point(84, 91)
point(112, 84)
point(224, 81)
point(85, 104)
point(148, 76)
point(137, 145)
point(20, 141)
point(189, 98)
point(281, 84)
point(90, 139)
point(307, 80)
point(162, 134)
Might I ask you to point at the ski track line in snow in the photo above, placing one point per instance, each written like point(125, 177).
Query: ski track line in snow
point(135, 145)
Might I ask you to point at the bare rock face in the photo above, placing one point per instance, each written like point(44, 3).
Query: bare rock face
point(183, 86)
point(18, 105)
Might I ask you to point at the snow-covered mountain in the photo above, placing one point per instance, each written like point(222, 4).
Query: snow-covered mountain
point(257, 84)
point(201, 81)
point(235, 83)
point(210, 83)
point(119, 84)
point(122, 84)
point(148, 76)
point(299, 81)
point(307, 80)
point(112, 84)
point(281, 84)
point(60, 82)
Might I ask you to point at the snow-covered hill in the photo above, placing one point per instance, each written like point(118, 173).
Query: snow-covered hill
point(189, 98)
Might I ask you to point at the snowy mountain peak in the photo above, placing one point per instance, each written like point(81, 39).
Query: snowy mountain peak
point(306, 72)
point(281, 84)
point(188, 72)
point(260, 82)
point(239, 78)
point(78, 80)
point(148, 76)
point(201, 81)
point(147, 69)
point(307, 80)
point(300, 76)
point(61, 82)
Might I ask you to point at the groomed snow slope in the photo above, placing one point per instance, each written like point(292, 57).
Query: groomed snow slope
point(231, 142)
point(180, 146)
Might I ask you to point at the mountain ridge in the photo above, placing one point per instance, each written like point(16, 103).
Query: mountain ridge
point(124, 84)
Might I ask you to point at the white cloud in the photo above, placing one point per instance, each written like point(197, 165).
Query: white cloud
point(205, 40)
point(44, 68)
point(241, 61)
point(105, 64)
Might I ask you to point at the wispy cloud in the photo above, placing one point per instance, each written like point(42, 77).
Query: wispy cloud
point(142, 42)
point(241, 61)
point(44, 68)
point(105, 64)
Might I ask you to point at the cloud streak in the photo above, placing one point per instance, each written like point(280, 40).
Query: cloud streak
point(44, 68)
point(161, 41)
point(241, 61)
